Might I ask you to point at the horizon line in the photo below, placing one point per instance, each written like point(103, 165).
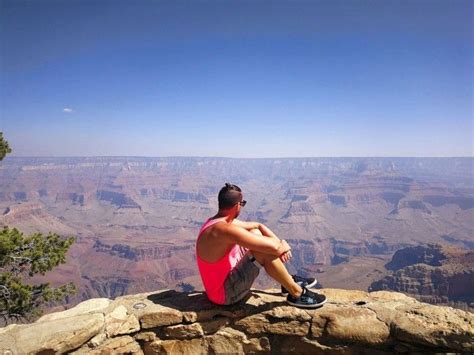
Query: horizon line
point(228, 157)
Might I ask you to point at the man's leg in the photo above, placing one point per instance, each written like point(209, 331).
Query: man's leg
point(277, 270)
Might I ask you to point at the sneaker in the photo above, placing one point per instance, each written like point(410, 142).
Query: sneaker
point(307, 299)
point(307, 282)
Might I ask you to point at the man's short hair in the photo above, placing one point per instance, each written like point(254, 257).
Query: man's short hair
point(229, 195)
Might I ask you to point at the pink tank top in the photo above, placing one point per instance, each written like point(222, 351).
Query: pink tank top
point(213, 275)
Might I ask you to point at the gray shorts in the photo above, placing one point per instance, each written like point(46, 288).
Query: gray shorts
point(239, 281)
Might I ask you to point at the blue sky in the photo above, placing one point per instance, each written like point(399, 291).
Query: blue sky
point(237, 78)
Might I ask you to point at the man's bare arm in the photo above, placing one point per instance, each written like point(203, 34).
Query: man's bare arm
point(238, 235)
point(267, 232)
point(246, 225)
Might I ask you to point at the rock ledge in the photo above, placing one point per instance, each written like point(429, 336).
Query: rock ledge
point(167, 321)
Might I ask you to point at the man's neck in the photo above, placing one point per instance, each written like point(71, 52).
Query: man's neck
point(224, 214)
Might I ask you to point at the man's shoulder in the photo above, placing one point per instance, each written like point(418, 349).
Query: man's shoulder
point(216, 226)
point(217, 234)
point(224, 229)
point(222, 226)
point(231, 232)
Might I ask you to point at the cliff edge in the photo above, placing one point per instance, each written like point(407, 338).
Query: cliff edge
point(172, 322)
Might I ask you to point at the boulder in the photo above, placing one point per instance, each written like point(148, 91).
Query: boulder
point(58, 335)
point(94, 305)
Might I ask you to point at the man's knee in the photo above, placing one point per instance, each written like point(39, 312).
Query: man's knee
point(260, 257)
point(263, 258)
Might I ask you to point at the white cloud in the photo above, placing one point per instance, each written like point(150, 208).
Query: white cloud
point(67, 110)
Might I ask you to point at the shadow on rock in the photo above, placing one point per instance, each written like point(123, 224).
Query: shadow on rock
point(256, 301)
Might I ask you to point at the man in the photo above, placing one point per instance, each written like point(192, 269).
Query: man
point(230, 253)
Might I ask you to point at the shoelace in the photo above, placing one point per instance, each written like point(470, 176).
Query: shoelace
point(306, 296)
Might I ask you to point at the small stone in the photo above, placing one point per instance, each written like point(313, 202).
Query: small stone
point(156, 316)
point(120, 322)
point(184, 331)
point(145, 336)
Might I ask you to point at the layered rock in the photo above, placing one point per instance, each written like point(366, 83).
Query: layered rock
point(431, 254)
point(172, 322)
point(433, 273)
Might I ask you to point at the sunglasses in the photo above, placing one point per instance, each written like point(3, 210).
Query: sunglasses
point(242, 203)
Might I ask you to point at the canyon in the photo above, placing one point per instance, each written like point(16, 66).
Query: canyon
point(136, 219)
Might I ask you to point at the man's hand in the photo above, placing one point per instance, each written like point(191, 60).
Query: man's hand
point(286, 255)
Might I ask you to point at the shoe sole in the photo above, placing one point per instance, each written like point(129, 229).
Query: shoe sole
point(317, 305)
point(312, 284)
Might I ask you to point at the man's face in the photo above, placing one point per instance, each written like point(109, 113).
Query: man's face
point(239, 206)
point(238, 210)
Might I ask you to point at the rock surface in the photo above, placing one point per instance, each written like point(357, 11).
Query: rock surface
point(167, 321)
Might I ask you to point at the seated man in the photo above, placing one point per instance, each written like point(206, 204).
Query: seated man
point(230, 253)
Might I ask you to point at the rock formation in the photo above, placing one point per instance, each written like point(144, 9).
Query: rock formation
point(171, 322)
point(433, 273)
